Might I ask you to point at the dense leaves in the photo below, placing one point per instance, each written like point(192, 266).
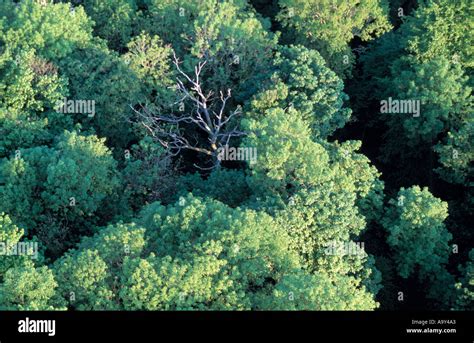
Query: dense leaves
point(329, 26)
point(115, 193)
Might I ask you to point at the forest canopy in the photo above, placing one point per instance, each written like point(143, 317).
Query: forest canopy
point(236, 155)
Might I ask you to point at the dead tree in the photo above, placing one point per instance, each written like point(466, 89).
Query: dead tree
point(208, 115)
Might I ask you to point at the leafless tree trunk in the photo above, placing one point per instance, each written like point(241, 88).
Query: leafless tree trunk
point(208, 114)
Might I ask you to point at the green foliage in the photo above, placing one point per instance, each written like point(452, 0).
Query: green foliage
point(465, 288)
point(20, 179)
point(150, 59)
point(89, 160)
point(82, 279)
point(27, 288)
point(414, 222)
point(430, 61)
point(431, 58)
point(286, 155)
point(30, 88)
point(360, 177)
point(445, 101)
point(329, 26)
point(288, 160)
point(124, 223)
point(147, 175)
point(251, 245)
point(98, 75)
point(199, 284)
point(228, 34)
point(456, 154)
point(420, 240)
point(89, 276)
point(245, 239)
point(171, 19)
point(23, 130)
point(313, 190)
point(438, 28)
point(53, 30)
point(114, 20)
point(58, 188)
point(30, 83)
point(316, 292)
point(302, 81)
point(10, 235)
point(227, 259)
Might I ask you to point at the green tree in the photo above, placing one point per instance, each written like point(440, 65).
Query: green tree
point(28, 288)
point(302, 81)
point(99, 75)
point(53, 30)
point(84, 282)
point(287, 157)
point(445, 103)
point(114, 20)
point(303, 292)
point(188, 259)
point(229, 35)
point(30, 88)
point(10, 235)
point(431, 63)
point(329, 26)
point(416, 231)
point(30, 84)
point(317, 191)
point(420, 240)
point(51, 190)
point(89, 276)
point(438, 28)
point(465, 287)
point(456, 154)
point(150, 59)
point(289, 160)
point(148, 174)
point(251, 247)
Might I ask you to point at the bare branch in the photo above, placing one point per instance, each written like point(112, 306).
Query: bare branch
point(208, 114)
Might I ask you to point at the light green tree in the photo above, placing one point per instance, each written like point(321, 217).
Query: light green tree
point(10, 235)
point(28, 288)
point(114, 20)
point(445, 103)
point(420, 240)
point(99, 75)
point(53, 190)
point(318, 191)
point(465, 286)
point(329, 26)
point(303, 81)
point(318, 292)
point(414, 221)
point(235, 42)
point(52, 29)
